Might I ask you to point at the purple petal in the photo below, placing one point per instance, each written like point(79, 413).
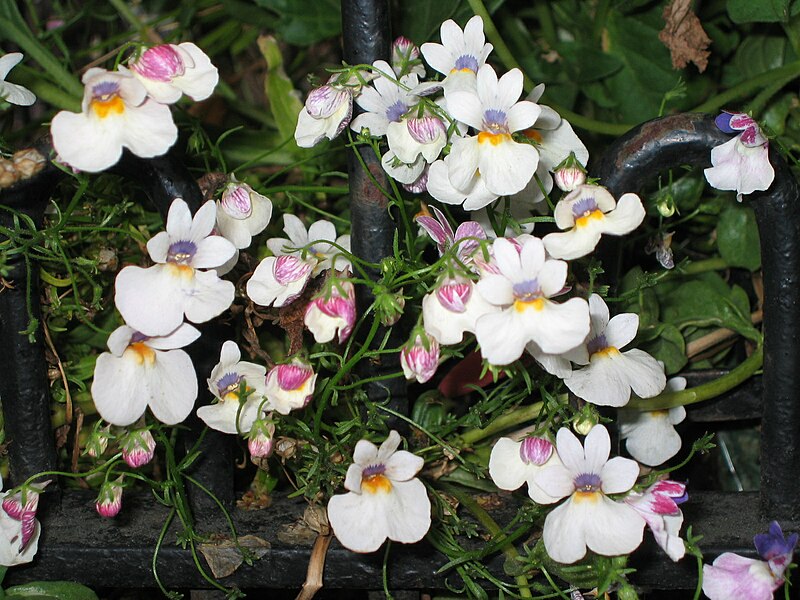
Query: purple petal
point(723, 122)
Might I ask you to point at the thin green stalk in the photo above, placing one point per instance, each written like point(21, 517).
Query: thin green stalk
point(709, 390)
point(145, 31)
point(493, 528)
point(749, 86)
point(510, 419)
point(159, 542)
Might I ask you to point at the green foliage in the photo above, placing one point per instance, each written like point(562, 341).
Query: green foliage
point(764, 11)
point(50, 590)
point(737, 237)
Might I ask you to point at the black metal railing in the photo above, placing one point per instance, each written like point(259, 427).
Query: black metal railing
point(76, 545)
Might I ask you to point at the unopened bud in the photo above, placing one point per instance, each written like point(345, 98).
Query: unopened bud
point(420, 358)
point(109, 500)
point(535, 450)
point(261, 439)
point(138, 447)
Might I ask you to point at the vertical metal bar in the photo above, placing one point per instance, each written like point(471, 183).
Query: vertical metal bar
point(365, 28)
point(24, 385)
point(687, 139)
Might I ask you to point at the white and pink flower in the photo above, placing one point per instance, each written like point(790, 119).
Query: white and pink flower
point(155, 300)
point(170, 70)
point(611, 375)
point(332, 311)
point(138, 447)
point(19, 528)
point(327, 111)
point(589, 518)
point(13, 93)
point(141, 371)
point(385, 103)
point(453, 309)
point(242, 213)
point(116, 113)
point(289, 386)
point(513, 463)
point(109, 499)
point(420, 357)
point(384, 499)
point(658, 506)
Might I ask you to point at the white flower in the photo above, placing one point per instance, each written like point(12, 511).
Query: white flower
point(326, 113)
point(513, 463)
point(384, 498)
point(522, 287)
point(505, 166)
point(411, 137)
point(230, 376)
point(405, 173)
point(589, 518)
point(142, 371)
point(169, 71)
point(315, 245)
point(12, 92)
point(588, 212)
point(611, 375)
point(155, 300)
point(742, 163)
point(116, 114)
point(473, 195)
point(19, 527)
point(289, 386)
point(460, 55)
point(242, 213)
point(650, 435)
point(384, 103)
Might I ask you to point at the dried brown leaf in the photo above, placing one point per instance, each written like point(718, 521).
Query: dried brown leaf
point(224, 557)
point(683, 34)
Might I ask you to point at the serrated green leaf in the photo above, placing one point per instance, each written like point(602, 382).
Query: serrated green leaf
point(762, 11)
point(737, 237)
point(50, 590)
point(284, 100)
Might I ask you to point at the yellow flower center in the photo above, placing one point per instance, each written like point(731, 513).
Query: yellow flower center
point(376, 484)
point(144, 353)
point(595, 215)
point(536, 304)
point(108, 105)
point(493, 138)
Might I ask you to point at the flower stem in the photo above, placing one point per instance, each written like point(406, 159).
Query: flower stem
point(706, 391)
point(510, 419)
point(749, 86)
point(492, 527)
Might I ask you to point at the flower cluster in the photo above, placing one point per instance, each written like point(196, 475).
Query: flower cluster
point(129, 108)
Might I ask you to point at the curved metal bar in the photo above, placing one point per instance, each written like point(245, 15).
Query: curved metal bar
point(365, 29)
point(682, 139)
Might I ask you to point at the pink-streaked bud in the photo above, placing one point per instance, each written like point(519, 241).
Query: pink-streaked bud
point(21, 506)
point(109, 500)
point(138, 447)
point(289, 269)
point(420, 359)
point(569, 178)
point(325, 101)
point(535, 450)
point(236, 201)
point(290, 386)
point(160, 63)
point(330, 312)
point(98, 442)
point(454, 295)
point(404, 50)
point(426, 130)
point(261, 439)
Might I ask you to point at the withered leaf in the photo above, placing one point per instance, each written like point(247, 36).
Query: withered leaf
point(683, 34)
point(223, 556)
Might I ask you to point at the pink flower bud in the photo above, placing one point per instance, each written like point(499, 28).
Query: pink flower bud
point(261, 439)
point(325, 315)
point(426, 130)
point(324, 101)
point(403, 50)
point(21, 506)
point(138, 447)
point(420, 359)
point(109, 500)
point(290, 386)
point(98, 442)
point(236, 201)
point(289, 269)
point(454, 295)
point(535, 450)
point(569, 178)
point(160, 63)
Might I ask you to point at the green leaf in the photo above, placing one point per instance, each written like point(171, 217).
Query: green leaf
point(737, 237)
point(647, 75)
point(762, 11)
point(50, 590)
point(755, 55)
point(669, 347)
point(584, 63)
point(305, 23)
point(419, 20)
point(284, 101)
